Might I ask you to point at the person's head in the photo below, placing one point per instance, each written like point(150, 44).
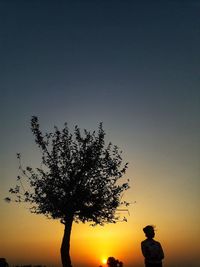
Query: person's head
point(149, 231)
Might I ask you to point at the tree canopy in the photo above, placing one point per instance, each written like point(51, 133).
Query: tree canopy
point(78, 176)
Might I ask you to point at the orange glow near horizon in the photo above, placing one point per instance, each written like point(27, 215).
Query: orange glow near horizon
point(104, 260)
point(90, 246)
point(23, 233)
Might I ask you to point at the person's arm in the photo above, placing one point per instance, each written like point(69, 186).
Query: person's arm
point(144, 250)
point(161, 252)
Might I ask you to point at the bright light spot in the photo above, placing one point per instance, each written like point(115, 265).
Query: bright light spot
point(104, 260)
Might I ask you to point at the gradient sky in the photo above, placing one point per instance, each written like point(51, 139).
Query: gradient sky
point(135, 66)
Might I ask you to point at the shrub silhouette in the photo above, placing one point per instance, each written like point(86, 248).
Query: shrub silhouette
point(112, 262)
point(3, 262)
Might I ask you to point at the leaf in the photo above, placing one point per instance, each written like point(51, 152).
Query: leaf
point(7, 199)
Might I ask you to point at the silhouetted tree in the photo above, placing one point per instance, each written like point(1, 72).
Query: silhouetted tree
point(77, 180)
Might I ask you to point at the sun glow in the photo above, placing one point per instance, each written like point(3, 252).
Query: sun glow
point(104, 260)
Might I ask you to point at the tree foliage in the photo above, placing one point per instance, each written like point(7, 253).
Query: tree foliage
point(78, 177)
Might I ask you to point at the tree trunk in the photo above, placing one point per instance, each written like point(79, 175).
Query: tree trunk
point(65, 247)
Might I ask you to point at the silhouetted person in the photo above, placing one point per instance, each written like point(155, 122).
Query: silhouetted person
point(151, 249)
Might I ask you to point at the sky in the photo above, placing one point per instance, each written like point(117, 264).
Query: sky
point(133, 65)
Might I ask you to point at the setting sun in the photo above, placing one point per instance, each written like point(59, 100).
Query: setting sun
point(104, 260)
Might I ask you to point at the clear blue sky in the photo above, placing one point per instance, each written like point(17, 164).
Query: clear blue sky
point(133, 65)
